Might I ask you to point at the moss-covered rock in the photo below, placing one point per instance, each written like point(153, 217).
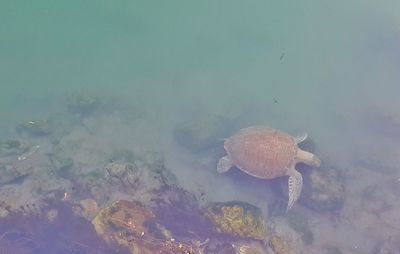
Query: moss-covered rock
point(238, 219)
point(278, 245)
point(132, 225)
point(323, 188)
point(248, 247)
point(87, 208)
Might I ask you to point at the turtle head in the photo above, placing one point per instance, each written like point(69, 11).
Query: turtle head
point(315, 161)
point(308, 158)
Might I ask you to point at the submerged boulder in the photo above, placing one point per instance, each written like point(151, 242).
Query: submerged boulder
point(138, 176)
point(249, 247)
point(238, 219)
point(87, 208)
point(279, 245)
point(323, 188)
point(132, 225)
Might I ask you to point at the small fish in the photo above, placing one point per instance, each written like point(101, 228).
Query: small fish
point(31, 151)
point(275, 100)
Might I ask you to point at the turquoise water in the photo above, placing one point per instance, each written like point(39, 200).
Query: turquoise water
point(212, 53)
point(309, 66)
point(217, 55)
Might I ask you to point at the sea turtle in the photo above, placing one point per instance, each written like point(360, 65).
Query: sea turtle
point(267, 153)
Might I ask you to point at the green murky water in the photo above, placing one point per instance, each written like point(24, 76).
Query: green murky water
point(314, 66)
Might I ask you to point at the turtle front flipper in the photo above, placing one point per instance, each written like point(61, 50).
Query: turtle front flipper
point(224, 164)
point(295, 184)
point(300, 138)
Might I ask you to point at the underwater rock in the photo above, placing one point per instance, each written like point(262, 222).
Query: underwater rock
point(131, 175)
point(200, 134)
point(122, 222)
point(278, 245)
point(52, 215)
point(54, 127)
point(221, 248)
point(3, 212)
point(323, 188)
point(82, 104)
point(12, 165)
point(34, 128)
point(132, 225)
point(156, 163)
point(140, 175)
point(12, 147)
point(238, 219)
point(87, 208)
point(126, 174)
point(61, 163)
point(14, 173)
point(141, 180)
point(249, 247)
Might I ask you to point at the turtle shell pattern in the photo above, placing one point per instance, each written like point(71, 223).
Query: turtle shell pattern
point(262, 152)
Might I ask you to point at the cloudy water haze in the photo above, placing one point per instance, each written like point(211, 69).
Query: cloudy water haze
point(122, 103)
